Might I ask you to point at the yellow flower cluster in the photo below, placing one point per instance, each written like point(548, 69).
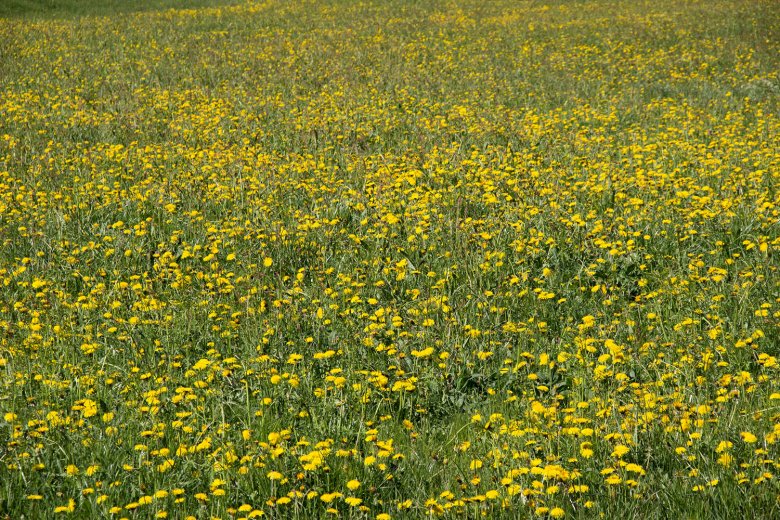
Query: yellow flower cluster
point(390, 260)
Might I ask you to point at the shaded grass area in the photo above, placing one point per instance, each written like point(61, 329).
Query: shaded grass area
point(73, 8)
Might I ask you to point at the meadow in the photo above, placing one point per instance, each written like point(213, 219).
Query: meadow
point(389, 259)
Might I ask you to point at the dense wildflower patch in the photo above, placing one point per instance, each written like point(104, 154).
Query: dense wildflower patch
point(391, 260)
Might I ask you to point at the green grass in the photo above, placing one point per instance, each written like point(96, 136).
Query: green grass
point(77, 8)
point(504, 260)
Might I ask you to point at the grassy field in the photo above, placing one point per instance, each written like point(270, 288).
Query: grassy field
point(389, 259)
